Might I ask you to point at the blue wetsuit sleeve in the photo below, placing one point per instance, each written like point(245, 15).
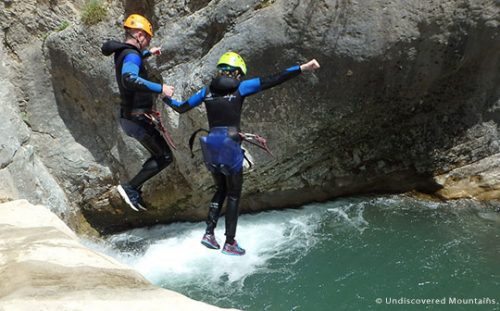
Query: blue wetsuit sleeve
point(130, 76)
point(255, 85)
point(183, 106)
point(249, 87)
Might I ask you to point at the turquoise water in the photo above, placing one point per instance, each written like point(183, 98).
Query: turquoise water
point(384, 253)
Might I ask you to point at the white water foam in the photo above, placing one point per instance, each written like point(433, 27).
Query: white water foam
point(173, 254)
point(350, 214)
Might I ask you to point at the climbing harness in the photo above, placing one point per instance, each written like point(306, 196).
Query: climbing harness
point(252, 139)
point(256, 140)
point(155, 118)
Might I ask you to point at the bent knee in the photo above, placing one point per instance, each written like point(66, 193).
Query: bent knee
point(165, 160)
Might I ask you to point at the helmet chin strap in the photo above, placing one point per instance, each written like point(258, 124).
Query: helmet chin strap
point(135, 38)
point(138, 42)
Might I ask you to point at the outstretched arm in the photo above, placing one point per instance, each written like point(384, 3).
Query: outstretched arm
point(252, 86)
point(132, 81)
point(186, 105)
point(130, 75)
point(152, 51)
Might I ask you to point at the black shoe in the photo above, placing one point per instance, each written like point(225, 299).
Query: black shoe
point(131, 196)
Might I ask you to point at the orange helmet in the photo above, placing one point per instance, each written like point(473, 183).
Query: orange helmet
point(136, 21)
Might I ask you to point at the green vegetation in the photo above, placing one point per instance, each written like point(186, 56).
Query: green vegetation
point(264, 4)
point(93, 12)
point(63, 25)
point(25, 118)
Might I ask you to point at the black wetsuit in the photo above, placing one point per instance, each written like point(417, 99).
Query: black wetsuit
point(137, 99)
point(221, 148)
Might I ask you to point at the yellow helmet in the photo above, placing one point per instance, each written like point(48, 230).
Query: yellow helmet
point(234, 60)
point(136, 21)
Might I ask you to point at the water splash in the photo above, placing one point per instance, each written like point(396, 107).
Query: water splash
point(173, 256)
point(324, 254)
point(352, 215)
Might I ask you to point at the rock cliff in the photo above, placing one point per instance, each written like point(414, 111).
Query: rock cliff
point(408, 98)
point(44, 267)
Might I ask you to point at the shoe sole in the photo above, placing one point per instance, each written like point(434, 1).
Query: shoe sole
point(209, 245)
point(125, 198)
point(232, 254)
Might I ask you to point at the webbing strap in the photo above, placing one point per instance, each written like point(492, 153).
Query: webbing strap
point(256, 140)
point(155, 118)
point(193, 136)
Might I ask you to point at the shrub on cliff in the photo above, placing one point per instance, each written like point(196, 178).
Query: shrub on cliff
point(93, 12)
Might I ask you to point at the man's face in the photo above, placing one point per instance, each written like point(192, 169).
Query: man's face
point(144, 39)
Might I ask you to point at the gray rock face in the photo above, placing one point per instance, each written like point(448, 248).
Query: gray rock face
point(22, 172)
point(49, 166)
point(408, 90)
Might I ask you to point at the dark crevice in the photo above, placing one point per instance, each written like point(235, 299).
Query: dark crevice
point(196, 5)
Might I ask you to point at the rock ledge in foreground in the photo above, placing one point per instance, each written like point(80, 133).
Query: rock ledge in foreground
point(44, 267)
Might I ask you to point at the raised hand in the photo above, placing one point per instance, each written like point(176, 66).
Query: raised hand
point(310, 65)
point(155, 51)
point(167, 90)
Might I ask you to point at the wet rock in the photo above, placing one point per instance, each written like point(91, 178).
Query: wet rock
point(480, 180)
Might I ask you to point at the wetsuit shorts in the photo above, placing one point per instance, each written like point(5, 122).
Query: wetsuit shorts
point(222, 151)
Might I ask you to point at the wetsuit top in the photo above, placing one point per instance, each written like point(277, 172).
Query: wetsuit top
point(224, 96)
point(136, 91)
